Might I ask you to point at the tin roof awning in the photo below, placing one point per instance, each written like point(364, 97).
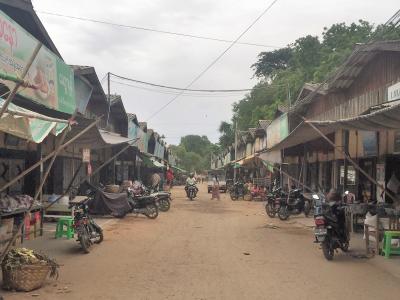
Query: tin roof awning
point(29, 125)
point(95, 138)
point(384, 116)
point(301, 134)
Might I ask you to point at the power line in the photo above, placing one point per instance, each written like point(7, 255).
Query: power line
point(215, 60)
point(194, 90)
point(180, 89)
point(153, 30)
point(198, 95)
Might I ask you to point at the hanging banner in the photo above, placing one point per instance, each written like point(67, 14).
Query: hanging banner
point(52, 78)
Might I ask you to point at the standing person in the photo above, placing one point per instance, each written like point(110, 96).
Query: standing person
point(215, 188)
point(170, 177)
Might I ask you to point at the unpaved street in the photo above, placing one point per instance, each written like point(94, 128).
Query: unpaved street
point(212, 250)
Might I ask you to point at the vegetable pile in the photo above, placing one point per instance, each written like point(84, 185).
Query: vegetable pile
point(22, 256)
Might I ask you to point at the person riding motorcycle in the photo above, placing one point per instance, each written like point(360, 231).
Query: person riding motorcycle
point(191, 181)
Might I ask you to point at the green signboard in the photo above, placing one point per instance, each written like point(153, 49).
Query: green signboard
point(51, 78)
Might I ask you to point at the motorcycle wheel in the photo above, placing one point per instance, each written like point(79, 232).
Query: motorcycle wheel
point(164, 205)
point(84, 240)
point(283, 213)
point(269, 208)
point(345, 246)
point(327, 249)
point(151, 211)
point(233, 196)
point(307, 208)
point(99, 232)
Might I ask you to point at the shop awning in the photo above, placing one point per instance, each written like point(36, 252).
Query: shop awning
point(385, 116)
point(150, 162)
point(96, 138)
point(29, 125)
point(301, 134)
point(178, 169)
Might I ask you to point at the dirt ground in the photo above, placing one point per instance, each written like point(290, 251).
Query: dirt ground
point(211, 250)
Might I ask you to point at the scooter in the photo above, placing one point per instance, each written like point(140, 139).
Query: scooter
point(293, 204)
point(330, 226)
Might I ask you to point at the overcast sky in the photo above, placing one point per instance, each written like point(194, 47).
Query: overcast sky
point(173, 60)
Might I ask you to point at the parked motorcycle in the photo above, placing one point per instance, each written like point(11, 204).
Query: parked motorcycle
point(163, 200)
point(85, 227)
point(274, 202)
point(330, 226)
point(237, 191)
point(191, 191)
point(293, 204)
point(142, 204)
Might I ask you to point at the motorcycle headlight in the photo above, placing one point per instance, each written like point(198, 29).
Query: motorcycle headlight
point(315, 197)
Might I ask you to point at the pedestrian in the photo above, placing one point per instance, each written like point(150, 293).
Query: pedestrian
point(215, 188)
point(170, 177)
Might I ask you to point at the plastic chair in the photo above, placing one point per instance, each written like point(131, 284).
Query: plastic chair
point(387, 248)
point(61, 231)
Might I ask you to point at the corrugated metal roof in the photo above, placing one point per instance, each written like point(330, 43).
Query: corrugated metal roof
point(264, 124)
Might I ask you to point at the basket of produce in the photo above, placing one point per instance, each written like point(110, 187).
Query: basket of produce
point(112, 188)
point(26, 270)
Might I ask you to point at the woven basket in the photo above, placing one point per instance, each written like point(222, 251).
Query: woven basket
point(25, 278)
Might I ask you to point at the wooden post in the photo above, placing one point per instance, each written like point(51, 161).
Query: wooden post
point(18, 84)
point(94, 123)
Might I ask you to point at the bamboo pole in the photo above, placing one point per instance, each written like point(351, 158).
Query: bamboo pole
point(94, 123)
point(57, 151)
point(38, 192)
point(347, 156)
point(94, 172)
point(289, 176)
point(18, 84)
point(36, 116)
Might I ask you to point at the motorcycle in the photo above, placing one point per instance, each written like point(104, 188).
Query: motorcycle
point(237, 191)
point(330, 230)
point(86, 228)
point(293, 204)
point(163, 200)
point(142, 204)
point(191, 191)
point(274, 202)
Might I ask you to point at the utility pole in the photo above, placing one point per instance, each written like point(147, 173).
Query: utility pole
point(234, 165)
point(109, 98)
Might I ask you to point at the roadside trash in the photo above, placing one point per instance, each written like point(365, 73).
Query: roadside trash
point(26, 270)
point(271, 226)
point(246, 253)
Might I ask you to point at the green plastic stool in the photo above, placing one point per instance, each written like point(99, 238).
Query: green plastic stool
point(387, 248)
point(67, 222)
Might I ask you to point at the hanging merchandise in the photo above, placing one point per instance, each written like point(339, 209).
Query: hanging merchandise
point(393, 184)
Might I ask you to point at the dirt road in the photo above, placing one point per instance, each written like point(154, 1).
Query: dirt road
point(212, 250)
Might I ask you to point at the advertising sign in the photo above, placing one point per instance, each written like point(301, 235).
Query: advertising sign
point(52, 78)
point(86, 155)
point(394, 92)
point(370, 143)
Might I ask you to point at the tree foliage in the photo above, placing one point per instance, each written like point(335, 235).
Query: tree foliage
point(194, 153)
point(283, 72)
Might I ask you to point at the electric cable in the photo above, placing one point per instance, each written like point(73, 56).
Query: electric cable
point(152, 29)
point(215, 60)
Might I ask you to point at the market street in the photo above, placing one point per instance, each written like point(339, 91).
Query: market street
point(210, 250)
